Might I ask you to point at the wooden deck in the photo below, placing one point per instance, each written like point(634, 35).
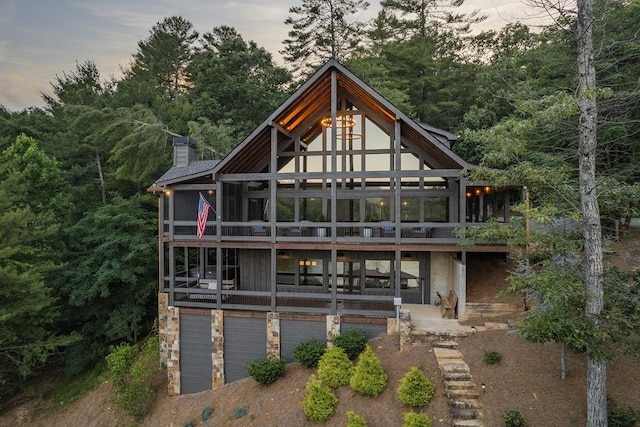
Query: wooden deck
point(292, 303)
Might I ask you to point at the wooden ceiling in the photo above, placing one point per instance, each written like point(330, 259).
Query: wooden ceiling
point(300, 117)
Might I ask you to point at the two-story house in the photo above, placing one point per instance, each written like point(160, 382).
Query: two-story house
point(333, 212)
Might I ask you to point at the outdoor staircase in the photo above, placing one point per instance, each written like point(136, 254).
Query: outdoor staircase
point(460, 389)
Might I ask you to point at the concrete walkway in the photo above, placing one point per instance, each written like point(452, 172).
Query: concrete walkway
point(427, 319)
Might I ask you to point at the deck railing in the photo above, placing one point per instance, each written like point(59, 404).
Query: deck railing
point(293, 302)
point(364, 232)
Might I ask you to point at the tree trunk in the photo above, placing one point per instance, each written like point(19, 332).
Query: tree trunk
point(103, 191)
point(587, 100)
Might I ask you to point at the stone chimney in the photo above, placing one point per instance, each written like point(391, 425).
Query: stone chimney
point(184, 151)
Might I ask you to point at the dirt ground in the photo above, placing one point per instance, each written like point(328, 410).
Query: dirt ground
point(527, 379)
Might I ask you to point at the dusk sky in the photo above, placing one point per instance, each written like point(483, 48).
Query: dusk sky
point(42, 38)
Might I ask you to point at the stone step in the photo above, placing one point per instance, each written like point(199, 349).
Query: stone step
point(464, 403)
point(457, 376)
point(447, 353)
point(465, 413)
point(454, 394)
point(446, 344)
point(460, 385)
point(449, 367)
point(467, 423)
point(493, 326)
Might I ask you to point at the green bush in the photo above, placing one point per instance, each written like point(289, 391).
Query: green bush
point(619, 415)
point(514, 419)
point(131, 369)
point(368, 377)
point(320, 403)
point(352, 341)
point(355, 420)
point(266, 369)
point(413, 419)
point(335, 368)
point(309, 352)
point(206, 413)
point(239, 412)
point(492, 357)
point(415, 389)
point(119, 362)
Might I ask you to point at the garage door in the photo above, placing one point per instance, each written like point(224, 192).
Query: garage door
point(294, 331)
point(245, 339)
point(195, 353)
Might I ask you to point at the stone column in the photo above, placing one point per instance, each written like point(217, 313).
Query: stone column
point(173, 349)
point(163, 305)
point(217, 349)
point(333, 327)
point(273, 335)
point(405, 330)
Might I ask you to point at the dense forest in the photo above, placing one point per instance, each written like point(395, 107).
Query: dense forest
point(78, 253)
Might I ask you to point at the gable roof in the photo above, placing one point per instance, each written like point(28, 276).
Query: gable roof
point(300, 116)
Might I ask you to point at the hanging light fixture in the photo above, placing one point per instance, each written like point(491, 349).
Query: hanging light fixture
point(343, 122)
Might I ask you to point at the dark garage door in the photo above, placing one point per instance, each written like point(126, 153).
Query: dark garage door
point(294, 331)
point(245, 339)
point(195, 353)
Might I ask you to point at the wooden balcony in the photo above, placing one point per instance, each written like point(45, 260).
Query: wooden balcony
point(189, 295)
point(345, 232)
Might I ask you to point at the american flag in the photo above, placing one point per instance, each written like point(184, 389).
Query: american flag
point(203, 214)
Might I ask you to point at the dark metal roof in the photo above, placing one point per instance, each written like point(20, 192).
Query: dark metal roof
point(195, 169)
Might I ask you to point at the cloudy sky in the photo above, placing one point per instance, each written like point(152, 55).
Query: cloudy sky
point(40, 39)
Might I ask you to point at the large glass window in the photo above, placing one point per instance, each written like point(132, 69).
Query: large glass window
point(410, 209)
point(349, 210)
point(310, 271)
point(410, 275)
point(436, 209)
point(377, 274)
point(286, 209)
point(348, 273)
point(378, 209)
point(311, 209)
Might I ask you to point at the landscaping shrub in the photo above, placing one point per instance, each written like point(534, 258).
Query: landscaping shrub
point(413, 419)
point(514, 419)
point(320, 403)
point(335, 368)
point(368, 377)
point(206, 413)
point(309, 352)
point(265, 370)
point(619, 415)
point(415, 389)
point(239, 412)
point(492, 357)
point(352, 341)
point(355, 420)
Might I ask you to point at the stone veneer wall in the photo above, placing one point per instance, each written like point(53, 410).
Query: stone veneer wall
point(333, 327)
point(273, 335)
point(163, 304)
point(172, 343)
point(217, 348)
point(405, 330)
